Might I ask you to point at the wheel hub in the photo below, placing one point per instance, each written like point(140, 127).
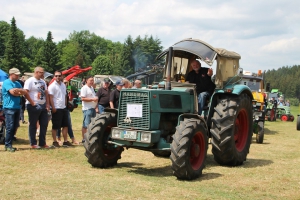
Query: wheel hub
point(196, 150)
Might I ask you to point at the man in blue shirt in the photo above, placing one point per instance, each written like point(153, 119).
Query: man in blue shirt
point(11, 91)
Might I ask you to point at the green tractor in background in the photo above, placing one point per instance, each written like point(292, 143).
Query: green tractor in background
point(278, 111)
point(165, 120)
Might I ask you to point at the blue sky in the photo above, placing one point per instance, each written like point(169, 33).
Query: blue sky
point(265, 33)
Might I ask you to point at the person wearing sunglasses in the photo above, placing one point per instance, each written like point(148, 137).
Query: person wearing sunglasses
point(58, 102)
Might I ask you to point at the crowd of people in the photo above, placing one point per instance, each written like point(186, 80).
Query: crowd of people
point(49, 102)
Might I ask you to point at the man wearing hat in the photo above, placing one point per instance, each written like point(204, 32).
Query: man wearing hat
point(12, 91)
point(115, 95)
point(103, 96)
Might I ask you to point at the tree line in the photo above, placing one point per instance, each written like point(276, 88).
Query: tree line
point(81, 48)
point(286, 79)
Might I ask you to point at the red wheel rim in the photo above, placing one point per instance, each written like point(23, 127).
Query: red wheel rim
point(109, 153)
point(241, 130)
point(284, 118)
point(197, 150)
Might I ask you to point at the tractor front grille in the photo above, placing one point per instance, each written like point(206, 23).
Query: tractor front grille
point(138, 98)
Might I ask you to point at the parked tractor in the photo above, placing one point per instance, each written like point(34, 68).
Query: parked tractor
point(165, 121)
point(255, 81)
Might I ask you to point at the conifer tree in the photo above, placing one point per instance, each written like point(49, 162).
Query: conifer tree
point(50, 55)
point(13, 50)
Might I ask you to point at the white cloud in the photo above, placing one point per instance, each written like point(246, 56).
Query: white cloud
point(258, 30)
point(285, 46)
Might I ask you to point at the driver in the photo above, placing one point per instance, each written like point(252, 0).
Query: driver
point(204, 85)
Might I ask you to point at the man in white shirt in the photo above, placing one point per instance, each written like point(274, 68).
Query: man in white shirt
point(89, 103)
point(37, 112)
point(58, 101)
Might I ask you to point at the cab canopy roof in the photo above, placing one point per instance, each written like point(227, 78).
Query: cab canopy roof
point(199, 48)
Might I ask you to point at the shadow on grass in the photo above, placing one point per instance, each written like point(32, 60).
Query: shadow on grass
point(161, 171)
point(269, 132)
point(249, 163)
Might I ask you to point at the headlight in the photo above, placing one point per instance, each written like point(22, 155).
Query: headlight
point(115, 133)
point(146, 137)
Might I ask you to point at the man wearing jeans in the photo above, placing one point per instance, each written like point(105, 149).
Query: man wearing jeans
point(204, 85)
point(37, 112)
point(89, 104)
point(12, 90)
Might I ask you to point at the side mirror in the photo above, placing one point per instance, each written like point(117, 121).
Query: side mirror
point(268, 87)
point(240, 72)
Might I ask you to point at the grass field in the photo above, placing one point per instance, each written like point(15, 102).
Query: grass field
point(271, 171)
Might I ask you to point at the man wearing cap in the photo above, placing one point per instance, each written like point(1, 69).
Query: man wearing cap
point(12, 91)
point(103, 96)
point(115, 95)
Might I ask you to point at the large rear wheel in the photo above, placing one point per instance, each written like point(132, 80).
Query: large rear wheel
point(98, 151)
point(231, 130)
point(189, 149)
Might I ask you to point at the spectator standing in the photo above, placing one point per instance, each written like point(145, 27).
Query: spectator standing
point(287, 103)
point(70, 129)
point(89, 104)
point(12, 90)
point(38, 111)
point(22, 107)
point(137, 84)
point(83, 82)
point(58, 101)
point(103, 96)
point(115, 95)
point(126, 83)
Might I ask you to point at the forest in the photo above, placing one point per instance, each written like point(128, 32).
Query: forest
point(81, 48)
point(106, 57)
point(286, 79)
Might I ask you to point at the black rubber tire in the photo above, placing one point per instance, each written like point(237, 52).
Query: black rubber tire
point(261, 132)
point(232, 130)
point(2, 135)
point(98, 151)
point(162, 154)
point(298, 123)
point(189, 149)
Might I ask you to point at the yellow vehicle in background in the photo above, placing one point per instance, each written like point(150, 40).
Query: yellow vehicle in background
point(255, 82)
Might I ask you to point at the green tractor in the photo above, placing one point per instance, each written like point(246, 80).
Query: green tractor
point(165, 120)
point(277, 111)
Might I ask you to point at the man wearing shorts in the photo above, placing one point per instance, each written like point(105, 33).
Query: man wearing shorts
point(57, 96)
point(89, 103)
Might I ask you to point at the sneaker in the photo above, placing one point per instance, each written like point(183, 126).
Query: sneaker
point(24, 122)
point(83, 141)
point(67, 143)
point(15, 138)
point(10, 149)
point(56, 144)
point(45, 146)
point(35, 147)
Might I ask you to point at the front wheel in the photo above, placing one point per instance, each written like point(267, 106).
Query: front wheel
point(98, 151)
point(232, 130)
point(189, 149)
point(260, 134)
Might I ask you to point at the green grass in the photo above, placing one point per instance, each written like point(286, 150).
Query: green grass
point(270, 172)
